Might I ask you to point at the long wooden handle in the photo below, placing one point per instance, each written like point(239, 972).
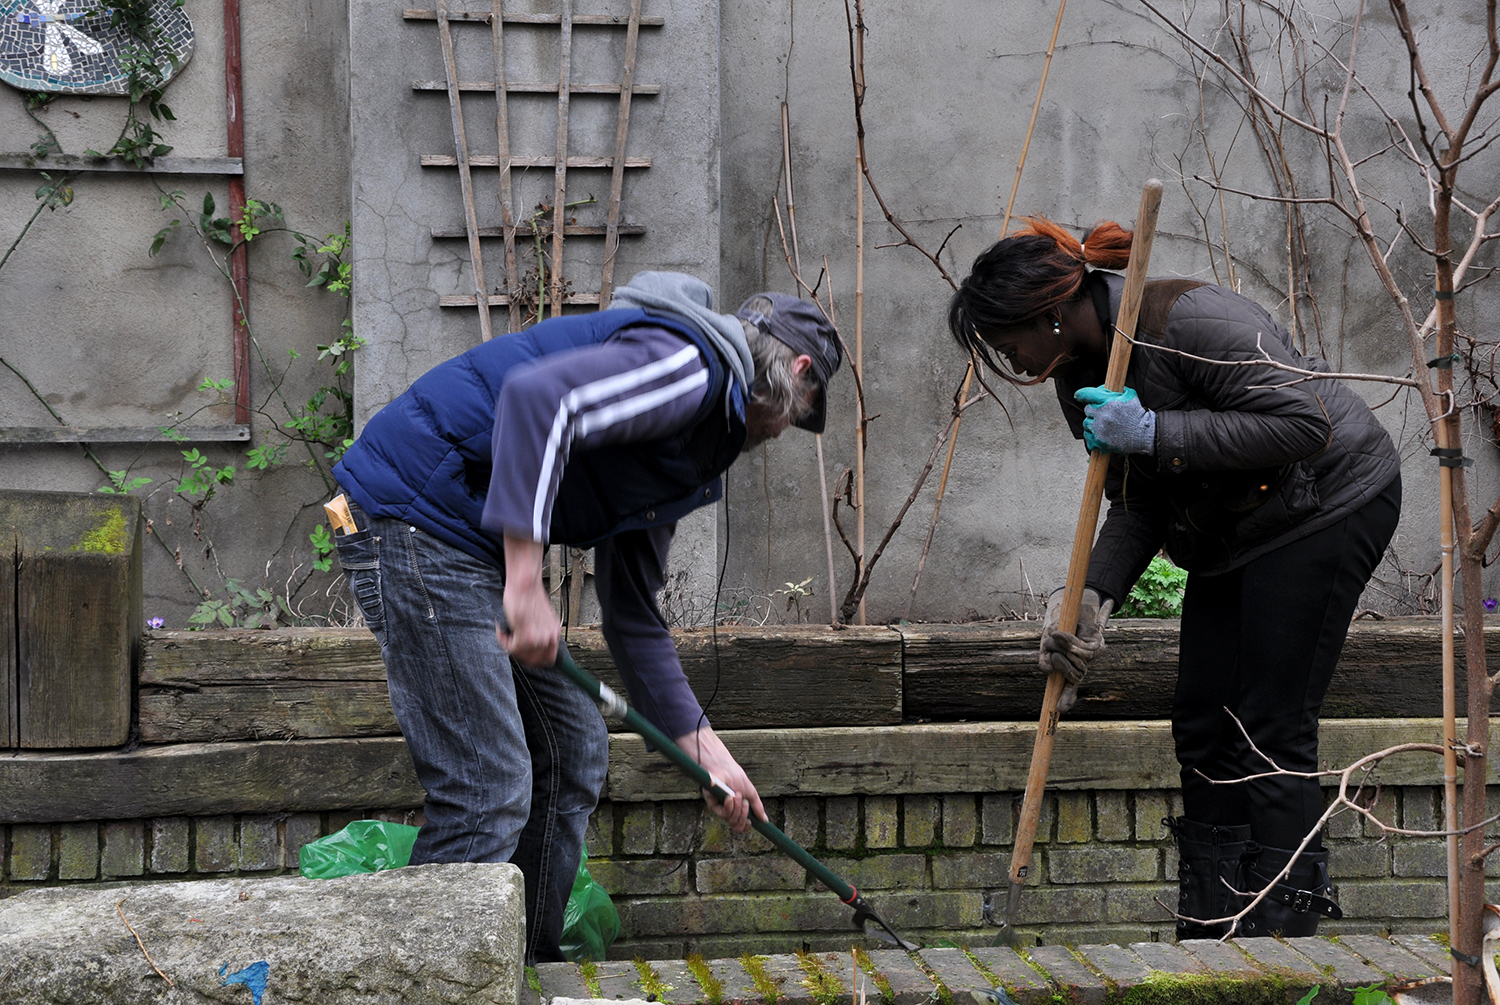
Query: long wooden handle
point(1083, 537)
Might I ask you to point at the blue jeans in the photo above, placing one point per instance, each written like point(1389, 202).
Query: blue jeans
point(512, 757)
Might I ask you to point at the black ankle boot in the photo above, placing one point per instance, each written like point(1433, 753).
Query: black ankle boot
point(1294, 905)
point(1208, 857)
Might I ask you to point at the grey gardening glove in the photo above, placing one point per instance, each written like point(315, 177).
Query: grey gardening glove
point(1116, 421)
point(1070, 654)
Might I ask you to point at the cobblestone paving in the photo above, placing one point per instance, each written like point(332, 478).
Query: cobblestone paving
point(1242, 971)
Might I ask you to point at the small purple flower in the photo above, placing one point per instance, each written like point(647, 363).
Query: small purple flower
point(158, 622)
point(1490, 603)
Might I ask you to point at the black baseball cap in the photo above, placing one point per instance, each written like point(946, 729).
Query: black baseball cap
point(800, 326)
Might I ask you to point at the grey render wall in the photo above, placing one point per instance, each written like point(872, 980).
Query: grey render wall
point(950, 91)
point(112, 337)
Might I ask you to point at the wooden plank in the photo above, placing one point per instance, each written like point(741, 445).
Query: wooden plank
point(10, 735)
point(77, 604)
point(988, 672)
point(572, 229)
point(500, 300)
point(122, 434)
point(193, 779)
point(512, 17)
point(288, 710)
point(511, 87)
point(617, 174)
point(560, 163)
point(241, 656)
point(984, 757)
point(465, 181)
point(69, 163)
point(486, 161)
point(789, 677)
point(502, 135)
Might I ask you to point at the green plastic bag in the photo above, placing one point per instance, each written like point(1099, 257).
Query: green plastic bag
point(590, 921)
point(363, 846)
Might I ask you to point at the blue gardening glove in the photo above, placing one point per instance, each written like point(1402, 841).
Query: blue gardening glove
point(1116, 422)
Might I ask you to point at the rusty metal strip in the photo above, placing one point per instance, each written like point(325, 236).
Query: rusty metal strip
point(465, 182)
point(617, 169)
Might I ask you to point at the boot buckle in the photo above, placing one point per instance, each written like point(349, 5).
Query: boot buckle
point(1301, 901)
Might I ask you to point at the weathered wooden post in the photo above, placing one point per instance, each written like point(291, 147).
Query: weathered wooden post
point(70, 617)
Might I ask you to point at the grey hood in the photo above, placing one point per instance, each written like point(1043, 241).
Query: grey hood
point(691, 301)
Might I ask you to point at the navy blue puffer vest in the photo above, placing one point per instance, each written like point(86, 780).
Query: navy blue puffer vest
point(425, 458)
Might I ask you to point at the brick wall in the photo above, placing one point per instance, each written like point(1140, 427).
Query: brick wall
point(935, 867)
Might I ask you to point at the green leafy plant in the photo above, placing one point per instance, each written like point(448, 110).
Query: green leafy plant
point(239, 607)
point(795, 593)
point(1158, 593)
point(147, 65)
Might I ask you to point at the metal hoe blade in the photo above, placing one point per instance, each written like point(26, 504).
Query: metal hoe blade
point(864, 914)
point(1007, 934)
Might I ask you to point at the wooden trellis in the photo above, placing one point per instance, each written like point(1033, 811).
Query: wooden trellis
point(506, 160)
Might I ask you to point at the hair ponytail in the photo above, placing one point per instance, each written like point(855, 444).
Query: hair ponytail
point(1030, 272)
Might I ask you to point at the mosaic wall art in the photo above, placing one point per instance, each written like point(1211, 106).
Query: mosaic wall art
point(70, 46)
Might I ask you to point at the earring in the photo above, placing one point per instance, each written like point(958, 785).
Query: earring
point(1057, 328)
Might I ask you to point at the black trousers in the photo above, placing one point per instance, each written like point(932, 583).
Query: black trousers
point(1262, 642)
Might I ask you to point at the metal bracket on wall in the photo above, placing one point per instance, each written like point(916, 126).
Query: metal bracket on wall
point(560, 160)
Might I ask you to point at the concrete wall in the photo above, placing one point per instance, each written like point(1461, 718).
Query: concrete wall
point(950, 92)
point(109, 336)
point(112, 337)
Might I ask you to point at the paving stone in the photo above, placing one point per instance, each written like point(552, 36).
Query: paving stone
point(736, 983)
point(960, 821)
point(78, 851)
point(956, 972)
point(1071, 977)
point(679, 827)
point(841, 822)
point(30, 851)
point(618, 979)
point(124, 848)
point(259, 844)
point(1348, 969)
point(214, 850)
point(1427, 949)
point(1117, 964)
point(1276, 955)
point(970, 870)
point(638, 829)
point(678, 985)
point(997, 818)
point(1075, 818)
point(902, 871)
point(300, 829)
point(1167, 957)
point(1387, 957)
point(739, 875)
point(909, 984)
point(1112, 816)
point(921, 820)
point(1221, 958)
point(1016, 975)
point(599, 835)
point(838, 971)
point(562, 980)
point(1103, 864)
point(880, 822)
point(785, 973)
point(169, 845)
point(801, 816)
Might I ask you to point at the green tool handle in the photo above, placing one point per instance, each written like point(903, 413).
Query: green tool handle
point(614, 706)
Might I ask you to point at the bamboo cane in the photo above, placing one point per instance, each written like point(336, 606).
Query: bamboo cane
point(1450, 713)
point(1083, 543)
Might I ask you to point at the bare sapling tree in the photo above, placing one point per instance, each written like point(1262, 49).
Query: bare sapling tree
point(1408, 176)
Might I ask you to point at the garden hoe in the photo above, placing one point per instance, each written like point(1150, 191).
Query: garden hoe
point(1078, 566)
point(614, 707)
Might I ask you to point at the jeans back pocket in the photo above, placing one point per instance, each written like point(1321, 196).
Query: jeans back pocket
point(359, 557)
